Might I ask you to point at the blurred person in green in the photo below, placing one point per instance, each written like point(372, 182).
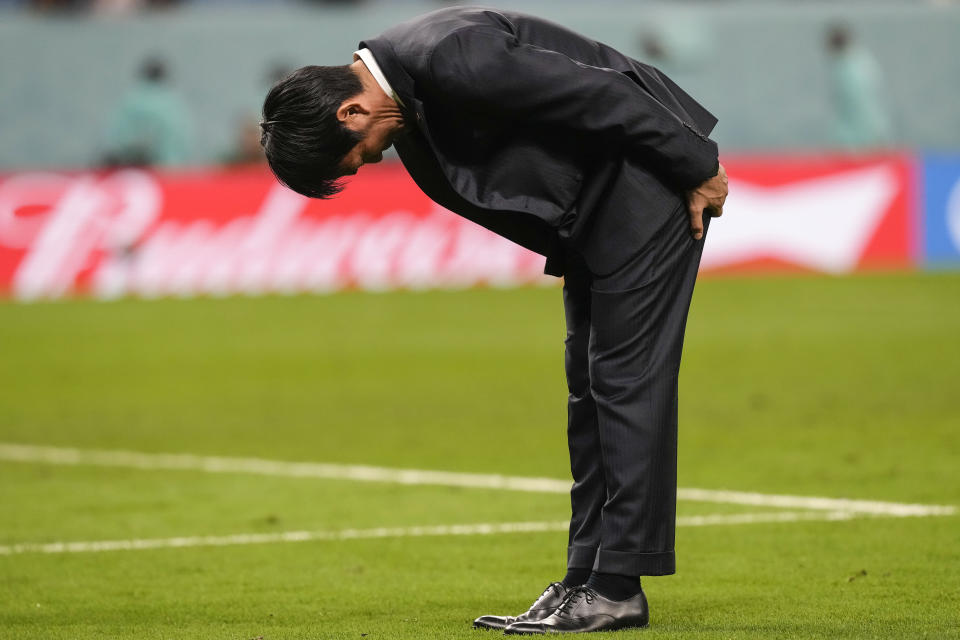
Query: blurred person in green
point(152, 124)
point(861, 114)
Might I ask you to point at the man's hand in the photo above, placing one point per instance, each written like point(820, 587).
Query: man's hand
point(708, 197)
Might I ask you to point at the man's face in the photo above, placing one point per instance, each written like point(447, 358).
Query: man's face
point(376, 139)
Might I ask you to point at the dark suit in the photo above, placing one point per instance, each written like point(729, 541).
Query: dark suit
point(579, 153)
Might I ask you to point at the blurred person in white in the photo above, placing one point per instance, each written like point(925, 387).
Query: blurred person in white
point(152, 125)
point(861, 111)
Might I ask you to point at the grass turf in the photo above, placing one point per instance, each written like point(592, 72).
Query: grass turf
point(823, 386)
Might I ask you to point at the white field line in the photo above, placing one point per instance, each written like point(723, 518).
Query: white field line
point(258, 466)
point(387, 532)
point(865, 507)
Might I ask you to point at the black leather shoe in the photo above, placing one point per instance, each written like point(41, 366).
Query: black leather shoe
point(586, 610)
point(546, 604)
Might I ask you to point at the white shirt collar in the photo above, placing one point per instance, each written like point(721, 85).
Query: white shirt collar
point(377, 73)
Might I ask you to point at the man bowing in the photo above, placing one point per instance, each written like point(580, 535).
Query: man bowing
point(594, 160)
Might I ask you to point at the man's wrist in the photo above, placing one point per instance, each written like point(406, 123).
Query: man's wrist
point(695, 179)
point(716, 169)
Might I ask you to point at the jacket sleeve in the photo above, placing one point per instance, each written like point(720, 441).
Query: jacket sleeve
point(489, 70)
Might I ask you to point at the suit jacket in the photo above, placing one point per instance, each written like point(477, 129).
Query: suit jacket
point(546, 137)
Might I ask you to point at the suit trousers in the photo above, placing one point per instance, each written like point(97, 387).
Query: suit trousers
point(624, 340)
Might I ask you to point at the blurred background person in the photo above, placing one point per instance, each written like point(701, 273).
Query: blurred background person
point(860, 105)
point(152, 125)
point(276, 71)
point(56, 5)
point(246, 148)
point(131, 6)
point(682, 45)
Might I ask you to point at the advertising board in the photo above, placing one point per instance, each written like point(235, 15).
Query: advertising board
point(237, 232)
point(833, 214)
point(223, 232)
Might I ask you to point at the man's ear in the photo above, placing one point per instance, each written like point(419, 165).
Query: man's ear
point(350, 110)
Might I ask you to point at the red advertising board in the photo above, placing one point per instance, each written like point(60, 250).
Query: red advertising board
point(829, 213)
point(214, 232)
point(224, 232)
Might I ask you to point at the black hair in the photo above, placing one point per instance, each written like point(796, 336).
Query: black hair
point(301, 135)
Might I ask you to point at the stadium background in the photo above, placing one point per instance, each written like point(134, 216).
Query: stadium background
point(375, 329)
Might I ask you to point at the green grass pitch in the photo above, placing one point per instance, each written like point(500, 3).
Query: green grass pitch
point(814, 386)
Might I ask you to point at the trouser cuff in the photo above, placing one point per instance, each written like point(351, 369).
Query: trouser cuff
point(581, 557)
point(636, 564)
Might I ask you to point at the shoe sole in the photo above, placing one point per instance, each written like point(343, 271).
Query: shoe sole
point(555, 633)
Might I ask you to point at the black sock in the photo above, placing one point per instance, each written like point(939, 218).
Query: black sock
point(613, 586)
point(575, 577)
